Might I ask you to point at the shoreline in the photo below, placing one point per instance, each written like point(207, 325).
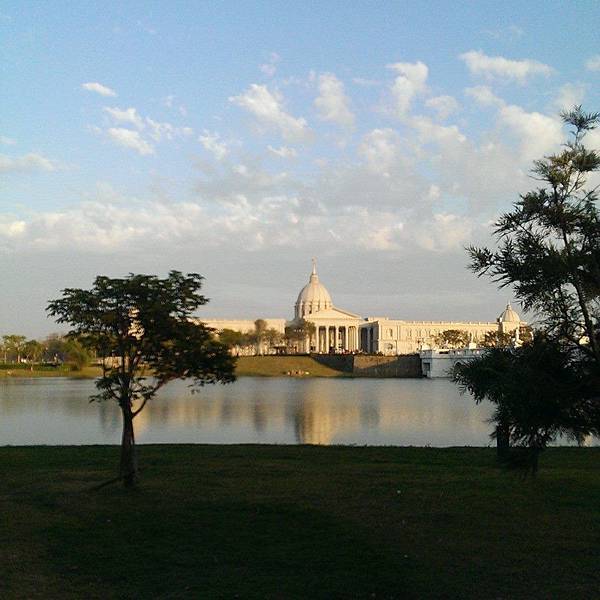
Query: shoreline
point(300, 366)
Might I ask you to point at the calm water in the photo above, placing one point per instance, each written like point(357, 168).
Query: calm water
point(252, 410)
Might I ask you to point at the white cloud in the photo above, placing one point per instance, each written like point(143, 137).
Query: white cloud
point(538, 134)
point(104, 226)
point(6, 141)
point(483, 95)
point(379, 149)
point(569, 95)
point(26, 163)
point(159, 130)
point(332, 103)
point(213, 143)
point(443, 105)
point(498, 67)
point(98, 88)
point(11, 227)
point(593, 63)
point(433, 132)
point(409, 83)
point(130, 139)
point(267, 107)
point(443, 232)
point(270, 68)
point(169, 102)
point(155, 130)
point(126, 115)
point(283, 151)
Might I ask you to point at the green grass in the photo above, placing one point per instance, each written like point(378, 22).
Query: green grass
point(273, 366)
point(51, 371)
point(298, 522)
point(247, 366)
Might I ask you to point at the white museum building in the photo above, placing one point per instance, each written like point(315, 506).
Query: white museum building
point(337, 330)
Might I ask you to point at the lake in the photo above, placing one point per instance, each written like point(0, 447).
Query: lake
point(399, 412)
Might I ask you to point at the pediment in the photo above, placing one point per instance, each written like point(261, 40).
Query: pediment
point(331, 313)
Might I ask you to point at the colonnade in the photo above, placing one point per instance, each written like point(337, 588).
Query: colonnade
point(339, 338)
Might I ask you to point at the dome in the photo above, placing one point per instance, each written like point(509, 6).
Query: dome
point(509, 315)
point(313, 297)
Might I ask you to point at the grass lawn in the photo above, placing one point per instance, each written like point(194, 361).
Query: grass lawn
point(298, 522)
point(247, 366)
point(274, 366)
point(60, 371)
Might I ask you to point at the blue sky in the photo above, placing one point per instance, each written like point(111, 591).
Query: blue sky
point(238, 140)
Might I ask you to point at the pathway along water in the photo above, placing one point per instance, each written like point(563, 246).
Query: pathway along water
point(399, 412)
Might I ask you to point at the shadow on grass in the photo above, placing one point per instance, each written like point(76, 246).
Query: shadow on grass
point(216, 549)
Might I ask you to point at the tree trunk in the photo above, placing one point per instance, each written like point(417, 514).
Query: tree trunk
point(502, 441)
point(128, 468)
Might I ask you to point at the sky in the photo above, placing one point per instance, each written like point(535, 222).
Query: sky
point(240, 139)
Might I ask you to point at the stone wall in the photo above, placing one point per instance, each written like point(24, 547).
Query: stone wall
point(361, 365)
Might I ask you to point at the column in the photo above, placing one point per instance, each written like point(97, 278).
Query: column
point(327, 338)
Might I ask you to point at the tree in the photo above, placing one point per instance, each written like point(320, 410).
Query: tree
point(231, 338)
point(300, 331)
point(452, 338)
point(497, 339)
point(549, 253)
point(33, 351)
point(549, 244)
point(13, 347)
point(77, 354)
point(56, 348)
point(525, 334)
point(538, 395)
point(141, 328)
point(273, 337)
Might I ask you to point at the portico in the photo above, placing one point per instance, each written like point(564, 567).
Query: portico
point(335, 335)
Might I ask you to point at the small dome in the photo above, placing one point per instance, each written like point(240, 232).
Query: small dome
point(313, 297)
point(509, 315)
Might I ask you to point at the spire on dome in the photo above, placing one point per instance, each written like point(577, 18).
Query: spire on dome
point(313, 276)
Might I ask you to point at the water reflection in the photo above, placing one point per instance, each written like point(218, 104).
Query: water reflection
point(288, 411)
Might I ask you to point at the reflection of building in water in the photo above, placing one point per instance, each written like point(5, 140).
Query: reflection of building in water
point(318, 421)
point(338, 330)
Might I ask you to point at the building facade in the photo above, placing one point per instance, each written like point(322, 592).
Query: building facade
point(335, 330)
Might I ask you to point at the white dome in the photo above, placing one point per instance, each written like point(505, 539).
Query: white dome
point(313, 297)
point(509, 315)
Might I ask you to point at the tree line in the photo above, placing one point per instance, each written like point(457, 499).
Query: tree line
point(458, 338)
point(264, 339)
point(55, 349)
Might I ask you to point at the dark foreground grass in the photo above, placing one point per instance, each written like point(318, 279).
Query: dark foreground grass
point(298, 522)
